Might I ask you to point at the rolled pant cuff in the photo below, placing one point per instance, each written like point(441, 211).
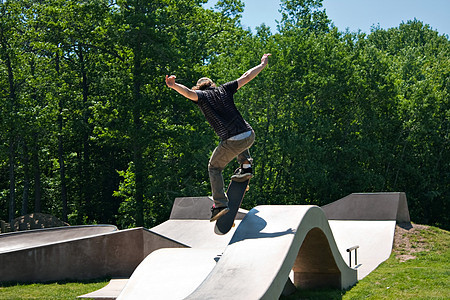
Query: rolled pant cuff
point(220, 203)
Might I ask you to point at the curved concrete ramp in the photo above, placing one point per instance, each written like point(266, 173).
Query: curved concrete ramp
point(189, 224)
point(367, 220)
point(170, 274)
point(374, 238)
point(269, 243)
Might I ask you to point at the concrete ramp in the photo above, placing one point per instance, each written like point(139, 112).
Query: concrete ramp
point(114, 254)
point(195, 233)
point(170, 274)
point(269, 243)
point(374, 238)
point(196, 208)
point(367, 220)
point(189, 224)
point(34, 238)
point(370, 206)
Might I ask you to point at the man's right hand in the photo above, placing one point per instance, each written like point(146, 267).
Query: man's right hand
point(181, 89)
point(170, 81)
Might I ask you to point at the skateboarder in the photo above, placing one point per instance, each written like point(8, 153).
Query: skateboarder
point(236, 135)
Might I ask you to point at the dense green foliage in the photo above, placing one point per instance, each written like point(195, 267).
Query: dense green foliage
point(91, 134)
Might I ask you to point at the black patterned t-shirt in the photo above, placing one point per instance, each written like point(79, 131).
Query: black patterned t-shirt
point(217, 105)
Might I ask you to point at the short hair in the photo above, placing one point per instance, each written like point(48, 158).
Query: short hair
point(204, 83)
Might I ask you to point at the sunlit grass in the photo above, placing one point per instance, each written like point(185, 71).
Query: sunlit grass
point(56, 290)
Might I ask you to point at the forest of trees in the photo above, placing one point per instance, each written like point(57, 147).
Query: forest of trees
point(91, 134)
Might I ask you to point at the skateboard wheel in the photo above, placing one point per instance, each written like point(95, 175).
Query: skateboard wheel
point(234, 224)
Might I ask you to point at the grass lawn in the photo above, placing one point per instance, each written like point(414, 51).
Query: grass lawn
point(419, 268)
point(56, 290)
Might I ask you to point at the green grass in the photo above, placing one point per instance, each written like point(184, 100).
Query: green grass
point(55, 290)
point(425, 277)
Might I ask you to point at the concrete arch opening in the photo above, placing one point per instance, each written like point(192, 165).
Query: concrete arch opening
point(315, 266)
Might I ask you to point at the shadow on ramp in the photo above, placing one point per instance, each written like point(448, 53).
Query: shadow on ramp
point(255, 229)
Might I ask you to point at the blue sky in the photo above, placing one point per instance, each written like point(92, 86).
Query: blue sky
point(357, 14)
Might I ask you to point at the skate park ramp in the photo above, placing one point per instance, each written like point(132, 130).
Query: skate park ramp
point(189, 224)
point(370, 207)
point(274, 246)
point(269, 243)
point(271, 249)
point(367, 220)
point(76, 252)
point(34, 238)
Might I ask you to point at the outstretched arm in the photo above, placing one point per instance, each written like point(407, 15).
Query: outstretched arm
point(250, 74)
point(183, 90)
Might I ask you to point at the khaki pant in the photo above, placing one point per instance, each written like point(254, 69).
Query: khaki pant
point(225, 152)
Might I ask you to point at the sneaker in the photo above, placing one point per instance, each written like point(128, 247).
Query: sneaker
point(241, 174)
point(217, 212)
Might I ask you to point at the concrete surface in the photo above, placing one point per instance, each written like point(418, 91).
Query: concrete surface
point(367, 220)
point(369, 206)
point(170, 274)
point(109, 292)
point(111, 254)
point(269, 243)
point(34, 238)
point(374, 238)
point(196, 208)
point(194, 233)
point(254, 261)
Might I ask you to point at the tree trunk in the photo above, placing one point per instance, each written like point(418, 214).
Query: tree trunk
point(35, 151)
point(137, 133)
point(62, 169)
point(37, 174)
point(11, 123)
point(12, 180)
point(85, 169)
point(26, 179)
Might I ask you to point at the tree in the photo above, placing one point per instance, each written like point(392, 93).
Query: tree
point(303, 15)
point(10, 46)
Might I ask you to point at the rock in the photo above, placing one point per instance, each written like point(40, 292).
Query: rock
point(36, 221)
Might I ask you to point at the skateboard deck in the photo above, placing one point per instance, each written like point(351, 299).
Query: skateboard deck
point(235, 193)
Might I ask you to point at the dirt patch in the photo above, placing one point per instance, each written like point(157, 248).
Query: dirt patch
point(408, 241)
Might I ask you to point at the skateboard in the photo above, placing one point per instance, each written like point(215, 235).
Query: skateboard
point(235, 193)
